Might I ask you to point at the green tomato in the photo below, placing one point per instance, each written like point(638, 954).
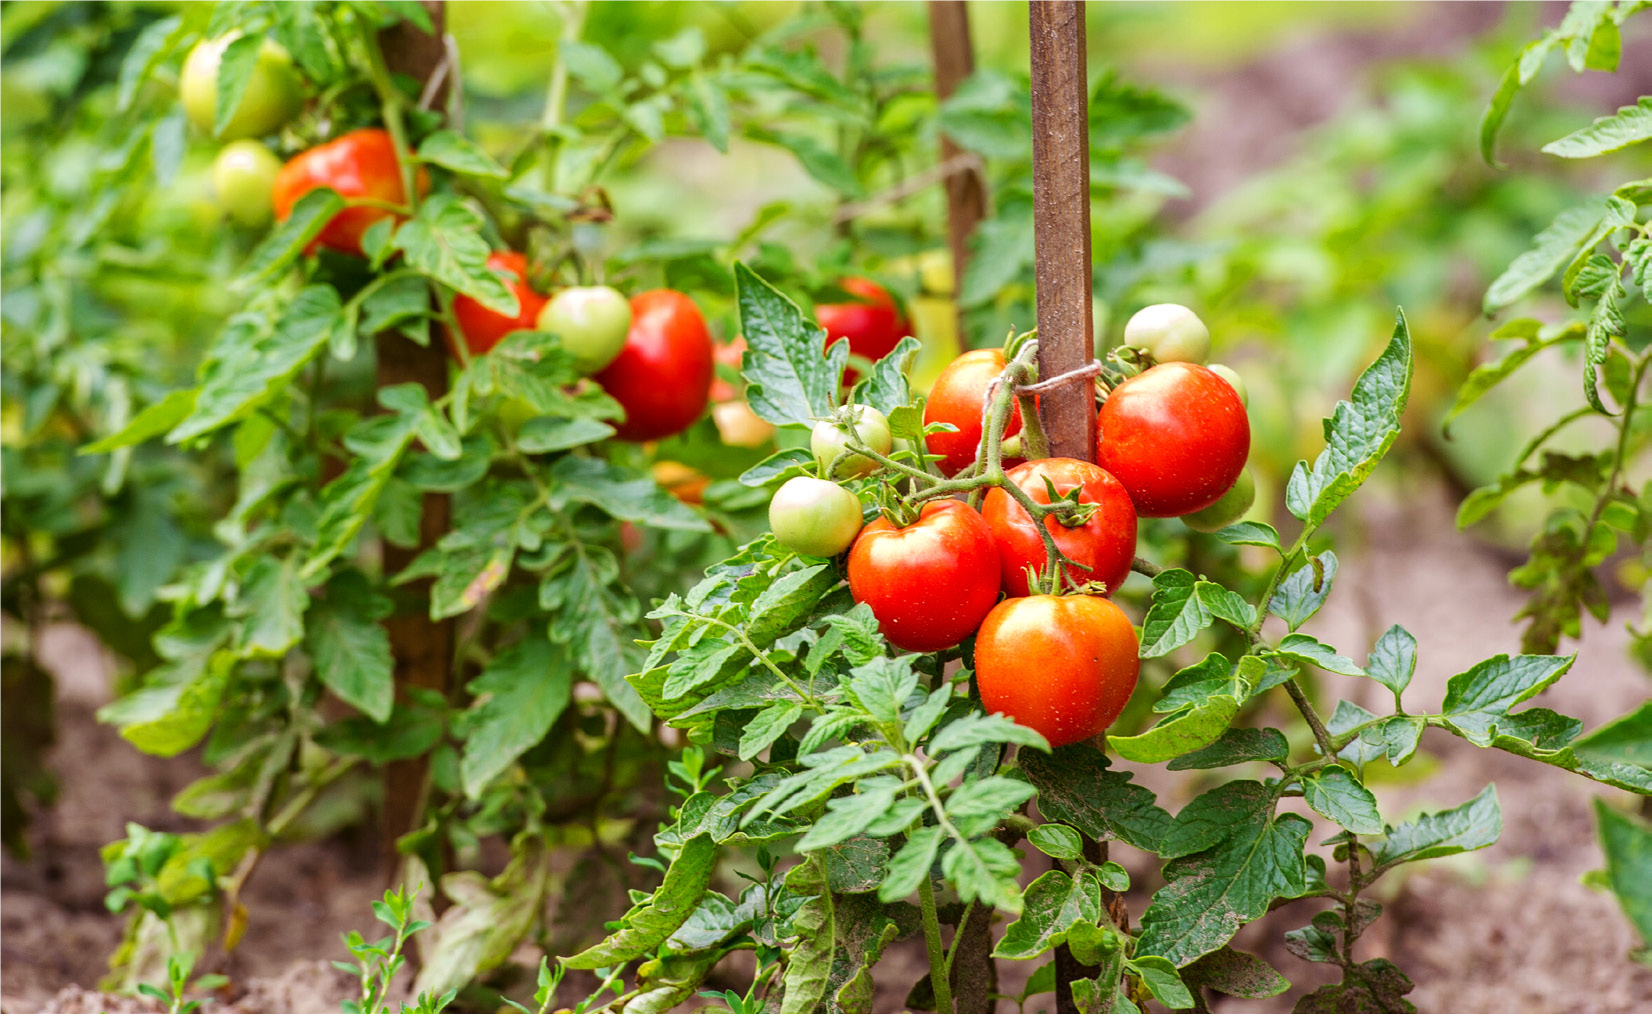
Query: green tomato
point(831, 436)
point(242, 174)
point(1232, 376)
point(814, 517)
point(592, 321)
point(274, 92)
point(1230, 508)
point(1171, 332)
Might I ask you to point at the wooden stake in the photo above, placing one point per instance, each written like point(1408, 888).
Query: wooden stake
point(966, 194)
point(1061, 221)
point(422, 648)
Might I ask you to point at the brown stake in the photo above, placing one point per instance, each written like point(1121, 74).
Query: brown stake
point(1061, 221)
point(966, 194)
point(423, 649)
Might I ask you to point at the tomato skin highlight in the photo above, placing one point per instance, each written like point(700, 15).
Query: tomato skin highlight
point(482, 327)
point(930, 583)
point(873, 324)
point(1176, 436)
point(1063, 666)
point(362, 163)
point(662, 377)
point(958, 397)
point(1106, 543)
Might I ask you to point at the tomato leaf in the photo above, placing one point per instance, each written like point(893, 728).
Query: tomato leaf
point(286, 242)
point(350, 648)
point(1358, 433)
point(668, 908)
point(519, 696)
point(1237, 745)
point(1210, 894)
point(1188, 730)
point(789, 381)
point(886, 388)
point(1076, 787)
point(452, 150)
point(1302, 593)
point(1473, 825)
point(1051, 905)
point(1176, 616)
point(444, 240)
point(1333, 793)
point(1629, 125)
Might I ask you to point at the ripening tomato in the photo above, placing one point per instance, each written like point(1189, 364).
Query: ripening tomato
point(591, 321)
point(930, 583)
point(959, 395)
point(362, 163)
point(1176, 436)
point(483, 327)
point(242, 174)
point(274, 91)
point(1170, 332)
point(814, 517)
point(731, 355)
point(830, 438)
point(873, 323)
point(1106, 543)
point(684, 482)
point(662, 376)
point(1061, 665)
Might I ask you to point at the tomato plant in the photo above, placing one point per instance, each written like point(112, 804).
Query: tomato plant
point(483, 327)
point(362, 166)
point(929, 583)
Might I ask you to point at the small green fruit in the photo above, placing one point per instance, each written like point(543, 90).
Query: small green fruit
point(830, 437)
point(1171, 332)
point(1231, 375)
point(814, 517)
point(592, 321)
point(274, 93)
point(242, 174)
point(1229, 509)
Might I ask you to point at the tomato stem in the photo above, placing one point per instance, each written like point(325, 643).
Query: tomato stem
point(390, 101)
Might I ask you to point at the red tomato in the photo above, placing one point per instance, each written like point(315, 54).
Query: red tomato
point(1106, 543)
point(959, 395)
point(1063, 666)
point(483, 327)
point(362, 163)
point(1176, 436)
point(873, 324)
point(663, 375)
point(930, 583)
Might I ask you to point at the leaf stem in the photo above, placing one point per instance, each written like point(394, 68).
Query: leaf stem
point(1300, 699)
point(937, 955)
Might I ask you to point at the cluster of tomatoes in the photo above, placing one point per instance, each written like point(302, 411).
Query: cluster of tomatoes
point(1058, 658)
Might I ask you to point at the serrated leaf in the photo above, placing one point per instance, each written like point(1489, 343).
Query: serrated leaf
point(1477, 698)
point(520, 694)
point(1307, 649)
point(148, 424)
point(1235, 973)
point(452, 150)
point(1305, 590)
point(1160, 978)
point(1052, 904)
point(1250, 533)
point(1629, 125)
point(789, 380)
point(1216, 815)
point(444, 241)
point(1237, 745)
point(1076, 787)
point(1225, 604)
point(620, 493)
point(1176, 616)
point(667, 909)
point(1473, 825)
point(886, 388)
point(1358, 433)
point(1333, 793)
point(778, 466)
point(1210, 894)
point(349, 646)
point(286, 242)
point(235, 67)
point(272, 604)
point(1393, 659)
point(1058, 841)
point(911, 864)
point(767, 726)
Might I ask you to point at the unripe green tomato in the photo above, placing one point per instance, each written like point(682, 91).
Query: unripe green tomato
point(1232, 376)
point(242, 174)
point(814, 517)
point(1171, 332)
point(274, 92)
point(592, 321)
point(1230, 508)
point(829, 438)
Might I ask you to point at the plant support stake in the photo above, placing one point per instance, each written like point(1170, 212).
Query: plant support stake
point(966, 195)
point(1061, 221)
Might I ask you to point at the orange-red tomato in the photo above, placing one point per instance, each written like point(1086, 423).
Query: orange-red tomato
point(959, 395)
point(662, 377)
point(483, 327)
point(728, 354)
point(1176, 436)
point(930, 583)
point(1063, 666)
point(362, 163)
point(1106, 543)
point(684, 482)
point(873, 323)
